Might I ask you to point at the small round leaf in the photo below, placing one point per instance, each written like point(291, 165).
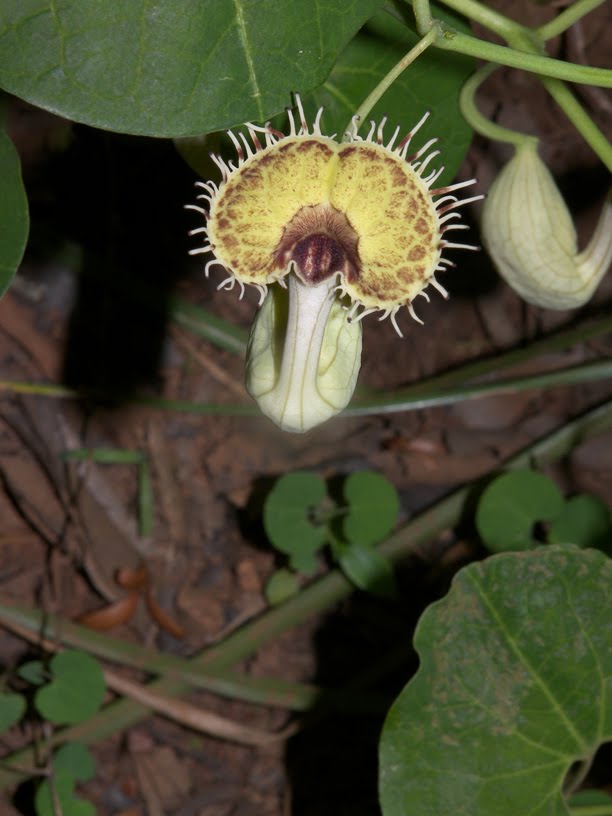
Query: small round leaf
point(287, 521)
point(368, 569)
point(12, 708)
point(75, 759)
point(64, 790)
point(33, 672)
point(511, 506)
point(76, 690)
point(373, 506)
point(584, 521)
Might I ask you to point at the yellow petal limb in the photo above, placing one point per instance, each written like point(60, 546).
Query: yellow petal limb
point(529, 233)
point(399, 237)
point(363, 207)
point(252, 209)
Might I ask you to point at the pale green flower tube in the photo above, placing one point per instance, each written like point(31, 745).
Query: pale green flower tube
point(304, 355)
point(529, 233)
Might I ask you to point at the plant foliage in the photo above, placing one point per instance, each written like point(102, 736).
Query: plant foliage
point(514, 687)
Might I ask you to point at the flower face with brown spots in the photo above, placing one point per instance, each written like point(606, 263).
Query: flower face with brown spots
point(360, 219)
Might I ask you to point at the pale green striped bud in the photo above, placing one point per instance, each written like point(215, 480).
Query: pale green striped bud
point(529, 233)
point(304, 355)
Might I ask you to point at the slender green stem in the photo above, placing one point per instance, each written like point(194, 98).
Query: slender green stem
point(583, 123)
point(451, 40)
point(367, 105)
point(445, 388)
point(558, 341)
point(487, 17)
point(567, 18)
point(33, 625)
point(480, 123)
point(208, 326)
point(321, 594)
point(568, 103)
point(526, 45)
point(588, 372)
point(38, 389)
point(422, 16)
point(380, 403)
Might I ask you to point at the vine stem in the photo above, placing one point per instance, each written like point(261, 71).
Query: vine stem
point(442, 389)
point(574, 12)
point(487, 17)
point(526, 42)
point(506, 26)
point(319, 595)
point(583, 123)
point(568, 103)
point(562, 96)
point(451, 40)
point(480, 123)
point(372, 98)
point(422, 15)
point(589, 372)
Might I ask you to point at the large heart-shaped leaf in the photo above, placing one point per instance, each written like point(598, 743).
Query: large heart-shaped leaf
point(167, 67)
point(514, 686)
point(432, 83)
point(14, 219)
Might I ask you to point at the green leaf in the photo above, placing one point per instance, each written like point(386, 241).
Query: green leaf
point(169, 68)
point(105, 456)
point(584, 521)
point(512, 505)
point(33, 672)
point(373, 506)
point(12, 708)
point(368, 569)
point(75, 759)
point(280, 586)
point(14, 218)
point(432, 83)
point(69, 804)
point(76, 690)
point(514, 686)
point(72, 763)
point(287, 521)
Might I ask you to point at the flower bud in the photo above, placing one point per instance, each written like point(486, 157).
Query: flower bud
point(303, 356)
point(529, 233)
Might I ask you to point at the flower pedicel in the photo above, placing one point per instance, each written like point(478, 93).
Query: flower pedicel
point(343, 229)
